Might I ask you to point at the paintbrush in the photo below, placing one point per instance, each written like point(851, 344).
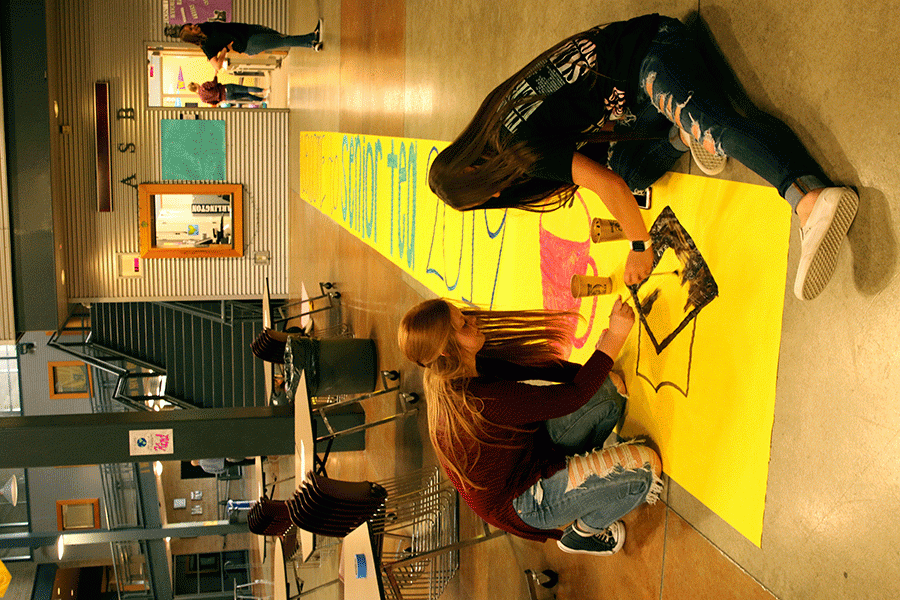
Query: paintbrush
point(675, 272)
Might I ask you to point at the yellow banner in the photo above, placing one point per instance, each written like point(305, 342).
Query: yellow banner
point(5, 579)
point(707, 396)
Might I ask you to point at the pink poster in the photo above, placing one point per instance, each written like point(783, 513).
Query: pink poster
point(179, 12)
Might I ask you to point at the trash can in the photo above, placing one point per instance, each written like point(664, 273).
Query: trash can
point(333, 366)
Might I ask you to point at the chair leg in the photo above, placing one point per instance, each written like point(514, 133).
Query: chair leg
point(323, 286)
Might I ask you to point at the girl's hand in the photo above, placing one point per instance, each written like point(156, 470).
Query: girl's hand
point(621, 318)
point(638, 266)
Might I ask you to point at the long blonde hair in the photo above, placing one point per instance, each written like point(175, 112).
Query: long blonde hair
point(530, 338)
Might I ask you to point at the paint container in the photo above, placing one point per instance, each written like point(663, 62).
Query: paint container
point(606, 230)
point(590, 285)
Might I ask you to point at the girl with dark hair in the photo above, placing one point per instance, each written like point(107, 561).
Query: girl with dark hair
point(216, 39)
point(610, 109)
point(526, 457)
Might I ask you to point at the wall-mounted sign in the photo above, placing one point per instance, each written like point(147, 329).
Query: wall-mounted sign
point(206, 209)
point(129, 264)
point(179, 12)
point(192, 150)
point(143, 442)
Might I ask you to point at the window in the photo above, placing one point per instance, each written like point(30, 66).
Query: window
point(188, 220)
point(172, 68)
point(210, 573)
point(10, 399)
point(78, 514)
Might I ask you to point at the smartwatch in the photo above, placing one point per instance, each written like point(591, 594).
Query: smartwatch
point(640, 245)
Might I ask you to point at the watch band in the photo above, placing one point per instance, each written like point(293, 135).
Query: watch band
point(640, 245)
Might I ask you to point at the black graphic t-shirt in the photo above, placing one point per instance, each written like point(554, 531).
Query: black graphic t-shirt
point(219, 35)
point(590, 80)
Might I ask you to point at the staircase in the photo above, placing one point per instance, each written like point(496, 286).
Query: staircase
point(203, 346)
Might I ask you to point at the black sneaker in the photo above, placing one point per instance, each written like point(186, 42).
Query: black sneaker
point(607, 542)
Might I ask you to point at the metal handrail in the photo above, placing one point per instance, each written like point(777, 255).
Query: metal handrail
point(230, 311)
point(135, 402)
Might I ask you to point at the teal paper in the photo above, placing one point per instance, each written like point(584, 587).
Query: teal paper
point(193, 150)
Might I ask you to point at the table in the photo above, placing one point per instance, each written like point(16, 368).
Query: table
point(362, 574)
point(305, 453)
point(268, 371)
point(279, 572)
point(304, 441)
point(267, 386)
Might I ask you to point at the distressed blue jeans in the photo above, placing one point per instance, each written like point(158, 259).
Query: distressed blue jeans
point(235, 92)
point(598, 501)
point(677, 87)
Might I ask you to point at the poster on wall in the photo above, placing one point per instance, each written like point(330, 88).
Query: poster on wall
point(144, 442)
point(192, 150)
point(179, 12)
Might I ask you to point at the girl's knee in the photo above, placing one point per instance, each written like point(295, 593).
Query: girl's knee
point(617, 381)
point(637, 488)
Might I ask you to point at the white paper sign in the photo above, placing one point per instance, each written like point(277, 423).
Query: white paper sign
point(150, 441)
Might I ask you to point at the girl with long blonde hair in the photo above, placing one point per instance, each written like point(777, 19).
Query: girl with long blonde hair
point(519, 430)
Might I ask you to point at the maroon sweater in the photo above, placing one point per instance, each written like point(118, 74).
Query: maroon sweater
point(505, 473)
point(211, 92)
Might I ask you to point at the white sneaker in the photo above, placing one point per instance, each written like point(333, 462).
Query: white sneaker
point(821, 239)
point(707, 162)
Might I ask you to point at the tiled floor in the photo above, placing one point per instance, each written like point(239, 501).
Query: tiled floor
point(829, 70)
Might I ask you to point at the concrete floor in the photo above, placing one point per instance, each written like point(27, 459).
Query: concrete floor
point(832, 521)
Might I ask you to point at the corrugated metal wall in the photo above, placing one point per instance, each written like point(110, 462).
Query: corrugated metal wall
point(107, 40)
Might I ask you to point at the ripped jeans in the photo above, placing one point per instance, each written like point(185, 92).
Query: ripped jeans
point(235, 92)
point(676, 87)
point(595, 500)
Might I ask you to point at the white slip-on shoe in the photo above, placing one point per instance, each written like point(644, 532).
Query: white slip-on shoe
point(821, 239)
point(318, 31)
point(709, 163)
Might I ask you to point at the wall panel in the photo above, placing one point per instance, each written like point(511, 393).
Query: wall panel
point(7, 311)
point(107, 41)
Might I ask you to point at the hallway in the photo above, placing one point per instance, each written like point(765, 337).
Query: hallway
point(831, 529)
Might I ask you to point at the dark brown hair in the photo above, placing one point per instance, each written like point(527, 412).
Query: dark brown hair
point(480, 162)
point(191, 37)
